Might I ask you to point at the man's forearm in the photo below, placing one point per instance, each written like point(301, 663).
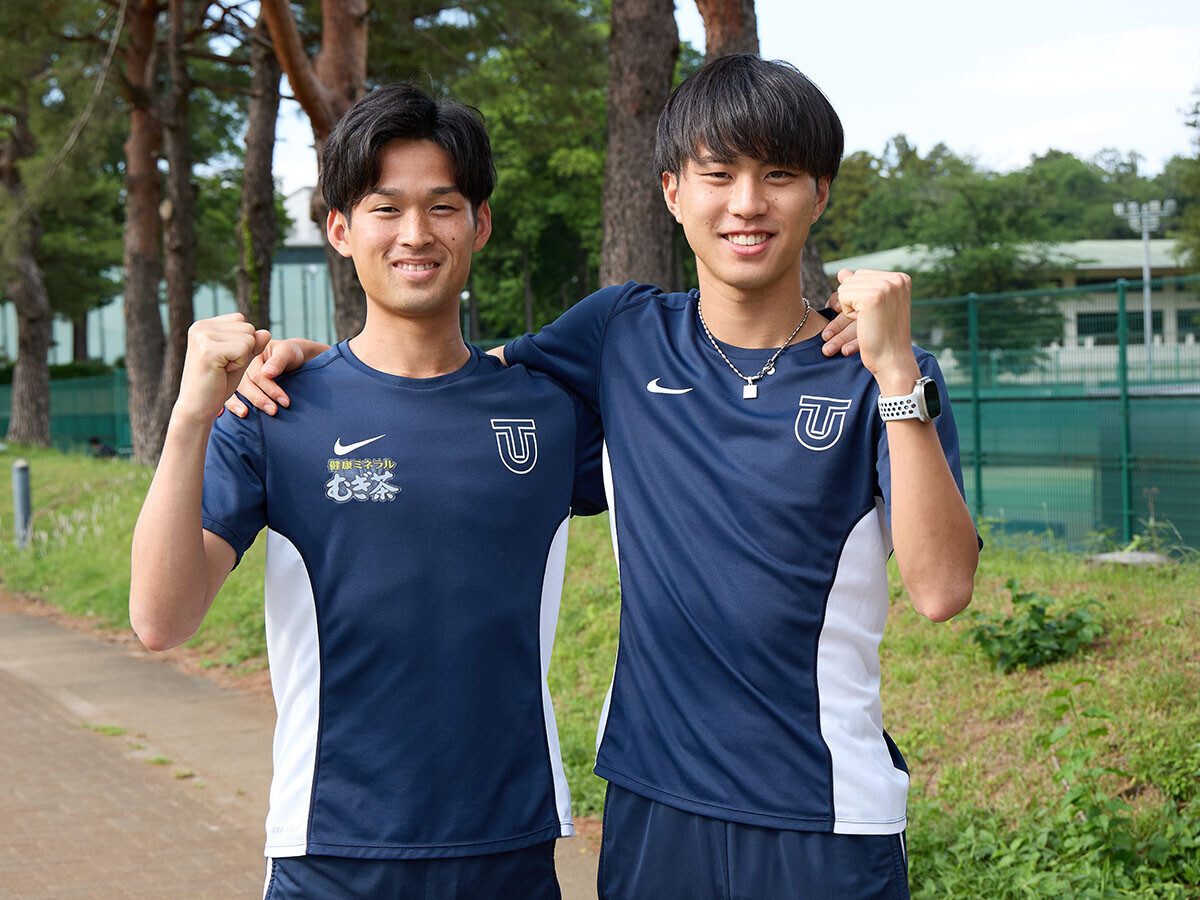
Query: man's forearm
point(176, 568)
point(932, 532)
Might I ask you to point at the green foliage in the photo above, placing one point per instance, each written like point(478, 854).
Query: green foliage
point(84, 511)
point(73, 198)
point(1162, 537)
point(80, 369)
point(1083, 842)
point(1186, 173)
point(1034, 635)
point(989, 232)
point(990, 815)
point(541, 91)
point(538, 71)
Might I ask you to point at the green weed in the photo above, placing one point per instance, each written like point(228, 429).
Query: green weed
point(1034, 635)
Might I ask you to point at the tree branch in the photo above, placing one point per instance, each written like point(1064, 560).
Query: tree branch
point(223, 88)
point(195, 53)
point(313, 97)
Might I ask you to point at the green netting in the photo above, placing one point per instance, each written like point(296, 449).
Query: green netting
point(82, 408)
point(1069, 423)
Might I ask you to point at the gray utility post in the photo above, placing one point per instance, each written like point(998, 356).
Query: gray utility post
point(1145, 218)
point(22, 504)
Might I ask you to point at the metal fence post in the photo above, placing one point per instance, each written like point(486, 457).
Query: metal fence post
point(976, 411)
point(1126, 435)
point(22, 503)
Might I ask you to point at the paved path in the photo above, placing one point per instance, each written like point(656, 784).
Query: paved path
point(170, 807)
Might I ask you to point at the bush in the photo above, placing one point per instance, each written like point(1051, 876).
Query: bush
point(1034, 635)
point(81, 369)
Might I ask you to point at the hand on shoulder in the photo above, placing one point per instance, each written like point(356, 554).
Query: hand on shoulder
point(258, 384)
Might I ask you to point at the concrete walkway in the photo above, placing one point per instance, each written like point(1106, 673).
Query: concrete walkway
point(121, 776)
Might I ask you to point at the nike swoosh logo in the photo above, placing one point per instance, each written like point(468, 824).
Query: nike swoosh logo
point(655, 388)
point(342, 449)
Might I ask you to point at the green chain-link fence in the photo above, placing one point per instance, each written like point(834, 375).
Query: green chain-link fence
point(83, 408)
point(1069, 423)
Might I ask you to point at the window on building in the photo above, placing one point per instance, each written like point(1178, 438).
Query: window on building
point(1188, 321)
point(1102, 326)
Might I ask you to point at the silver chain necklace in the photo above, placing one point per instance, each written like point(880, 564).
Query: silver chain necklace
point(750, 389)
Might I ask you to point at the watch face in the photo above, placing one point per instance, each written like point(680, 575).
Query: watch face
point(933, 400)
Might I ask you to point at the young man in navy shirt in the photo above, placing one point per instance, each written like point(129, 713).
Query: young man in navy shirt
point(757, 488)
point(416, 517)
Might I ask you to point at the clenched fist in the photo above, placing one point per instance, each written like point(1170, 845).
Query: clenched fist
point(219, 349)
point(879, 303)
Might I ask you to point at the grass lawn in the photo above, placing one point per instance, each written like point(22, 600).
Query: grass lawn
point(1080, 778)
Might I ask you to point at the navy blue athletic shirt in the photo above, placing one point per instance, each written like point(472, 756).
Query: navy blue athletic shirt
point(416, 536)
point(751, 539)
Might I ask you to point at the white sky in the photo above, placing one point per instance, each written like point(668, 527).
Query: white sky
point(996, 81)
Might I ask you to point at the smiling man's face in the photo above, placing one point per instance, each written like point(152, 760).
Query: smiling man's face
point(745, 220)
point(412, 237)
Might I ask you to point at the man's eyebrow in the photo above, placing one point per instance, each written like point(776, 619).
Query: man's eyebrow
point(396, 192)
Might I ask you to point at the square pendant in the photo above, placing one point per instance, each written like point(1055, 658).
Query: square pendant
point(750, 392)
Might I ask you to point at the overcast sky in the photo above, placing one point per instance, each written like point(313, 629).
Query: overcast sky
point(996, 81)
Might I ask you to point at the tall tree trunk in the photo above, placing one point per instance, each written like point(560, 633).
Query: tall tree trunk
point(25, 287)
point(30, 422)
point(144, 339)
point(730, 26)
point(642, 48)
point(813, 281)
point(258, 228)
point(325, 88)
point(79, 338)
point(178, 216)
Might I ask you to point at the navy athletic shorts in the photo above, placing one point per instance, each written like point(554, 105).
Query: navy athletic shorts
point(527, 874)
point(651, 851)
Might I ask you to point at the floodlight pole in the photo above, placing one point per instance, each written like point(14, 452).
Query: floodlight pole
point(1145, 217)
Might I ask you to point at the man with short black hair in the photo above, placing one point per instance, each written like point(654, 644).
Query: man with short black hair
point(416, 517)
point(756, 495)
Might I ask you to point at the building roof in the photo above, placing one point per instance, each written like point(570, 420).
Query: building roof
point(1115, 257)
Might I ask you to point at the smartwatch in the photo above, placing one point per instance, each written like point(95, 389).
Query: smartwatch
point(924, 403)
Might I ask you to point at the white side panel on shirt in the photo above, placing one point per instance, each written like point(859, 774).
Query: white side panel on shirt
point(612, 527)
point(869, 792)
point(556, 564)
point(294, 650)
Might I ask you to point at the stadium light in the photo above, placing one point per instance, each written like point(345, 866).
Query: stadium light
point(1145, 218)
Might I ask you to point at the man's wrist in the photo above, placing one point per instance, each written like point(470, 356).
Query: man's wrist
point(897, 382)
point(188, 424)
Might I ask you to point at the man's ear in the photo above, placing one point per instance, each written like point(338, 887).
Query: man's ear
point(670, 188)
point(337, 229)
point(822, 198)
point(483, 226)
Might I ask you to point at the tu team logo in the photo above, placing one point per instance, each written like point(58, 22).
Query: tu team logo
point(516, 439)
point(820, 420)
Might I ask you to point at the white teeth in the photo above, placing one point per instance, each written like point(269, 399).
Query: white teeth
point(746, 240)
point(410, 267)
